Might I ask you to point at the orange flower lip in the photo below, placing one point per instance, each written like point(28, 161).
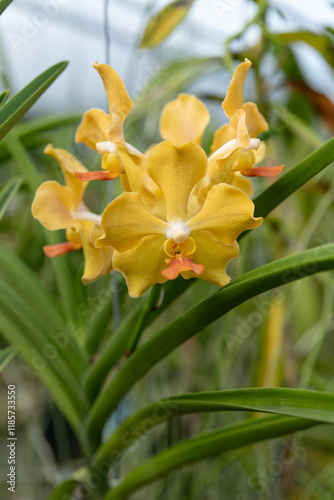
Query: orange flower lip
point(60, 248)
point(180, 264)
point(263, 171)
point(98, 175)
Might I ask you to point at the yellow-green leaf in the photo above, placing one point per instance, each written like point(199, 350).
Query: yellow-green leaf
point(164, 22)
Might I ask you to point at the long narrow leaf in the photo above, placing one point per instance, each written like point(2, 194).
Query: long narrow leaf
point(6, 356)
point(18, 105)
point(207, 445)
point(46, 373)
point(164, 22)
point(4, 4)
point(7, 195)
point(4, 96)
point(49, 352)
point(39, 299)
point(290, 402)
point(193, 321)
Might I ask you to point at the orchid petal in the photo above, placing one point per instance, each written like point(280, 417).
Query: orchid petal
point(51, 206)
point(176, 170)
point(143, 265)
point(222, 135)
point(115, 89)
point(214, 255)
point(93, 128)
point(126, 221)
point(235, 92)
point(226, 213)
point(70, 166)
point(95, 258)
point(255, 121)
point(184, 119)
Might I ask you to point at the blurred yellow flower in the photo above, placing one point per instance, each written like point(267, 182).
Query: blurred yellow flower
point(235, 149)
point(150, 249)
point(62, 207)
point(104, 132)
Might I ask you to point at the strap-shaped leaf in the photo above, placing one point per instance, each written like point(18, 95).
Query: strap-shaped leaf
point(6, 356)
point(4, 96)
point(249, 285)
point(208, 445)
point(4, 4)
point(64, 490)
point(164, 22)
point(7, 194)
point(290, 402)
point(18, 105)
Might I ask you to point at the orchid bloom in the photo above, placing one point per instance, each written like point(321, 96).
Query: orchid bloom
point(235, 149)
point(104, 132)
point(150, 249)
point(62, 207)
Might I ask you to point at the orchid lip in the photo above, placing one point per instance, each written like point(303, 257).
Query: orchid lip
point(230, 146)
point(177, 232)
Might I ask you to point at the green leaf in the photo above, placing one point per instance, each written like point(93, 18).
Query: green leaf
point(289, 402)
point(6, 356)
point(45, 370)
point(4, 96)
point(208, 445)
point(7, 194)
point(67, 488)
point(38, 298)
point(4, 4)
point(18, 105)
point(164, 22)
point(50, 347)
point(116, 345)
point(249, 285)
point(321, 43)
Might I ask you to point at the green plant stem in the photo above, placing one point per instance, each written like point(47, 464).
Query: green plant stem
point(116, 345)
point(193, 321)
point(143, 317)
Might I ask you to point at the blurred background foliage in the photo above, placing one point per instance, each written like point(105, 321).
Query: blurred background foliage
point(282, 338)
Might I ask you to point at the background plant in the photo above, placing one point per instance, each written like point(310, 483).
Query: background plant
point(277, 339)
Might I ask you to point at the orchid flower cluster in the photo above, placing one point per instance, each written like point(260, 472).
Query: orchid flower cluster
point(181, 211)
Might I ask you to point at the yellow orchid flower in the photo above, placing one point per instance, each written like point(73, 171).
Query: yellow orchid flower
point(150, 249)
point(235, 147)
point(62, 207)
point(104, 132)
